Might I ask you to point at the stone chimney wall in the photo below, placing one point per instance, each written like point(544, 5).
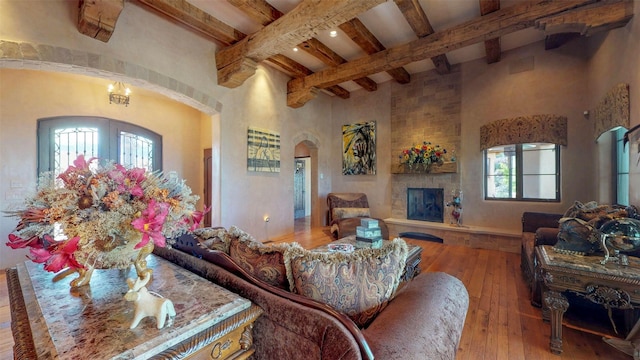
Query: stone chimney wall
point(426, 109)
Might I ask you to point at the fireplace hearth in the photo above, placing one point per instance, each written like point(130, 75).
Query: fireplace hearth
point(426, 204)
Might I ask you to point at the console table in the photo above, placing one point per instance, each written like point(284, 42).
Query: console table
point(49, 320)
point(613, 286)
point(412, 267)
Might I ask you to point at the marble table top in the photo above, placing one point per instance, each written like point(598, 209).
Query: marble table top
point(92, 322)
point(591, 263)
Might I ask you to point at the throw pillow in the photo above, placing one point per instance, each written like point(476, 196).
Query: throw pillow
point(344, 213)
point(264, 262)
point(360, 283)
point(213, 238)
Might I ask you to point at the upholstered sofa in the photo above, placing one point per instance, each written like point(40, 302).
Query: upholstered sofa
point(423, 320)
point(538, 228)
point(345, 212)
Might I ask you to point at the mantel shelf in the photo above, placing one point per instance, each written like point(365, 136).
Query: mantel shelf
point(446, 168)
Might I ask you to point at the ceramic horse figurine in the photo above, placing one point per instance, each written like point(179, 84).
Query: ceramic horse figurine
point(148, 303)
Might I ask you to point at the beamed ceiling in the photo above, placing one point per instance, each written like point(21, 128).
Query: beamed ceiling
point(377, 40)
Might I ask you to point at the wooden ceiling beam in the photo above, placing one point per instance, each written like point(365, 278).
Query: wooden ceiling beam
point(201, 22)
point(302, 23)
point(295, 69)
point(321, 51)
point(492, 46)
point(259, 10)
point(421, 26)
point(586, 21)
point(360, 35)
point(196, 19)
point(97, 18)
point(264, 13)
point(589, 20)
point(502, 22)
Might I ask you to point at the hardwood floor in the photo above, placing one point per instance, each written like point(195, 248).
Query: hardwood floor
point(501, 323)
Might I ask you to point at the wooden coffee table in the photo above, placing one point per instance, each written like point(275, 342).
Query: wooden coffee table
point(412, 267)
point(613, 286)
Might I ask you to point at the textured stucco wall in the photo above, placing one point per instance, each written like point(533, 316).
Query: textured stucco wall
point(526, 81)
point(615, 60)
point(154, 54)
point(362, 107)
point(28, 95)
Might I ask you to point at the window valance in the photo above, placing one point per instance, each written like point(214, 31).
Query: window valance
point(524, 129)
point(612, 111)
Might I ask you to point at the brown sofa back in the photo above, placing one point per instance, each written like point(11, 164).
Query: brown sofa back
point(531, 221)
point(292, 326)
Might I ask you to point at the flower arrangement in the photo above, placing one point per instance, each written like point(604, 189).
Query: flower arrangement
point(423, 155)
point(90, 210)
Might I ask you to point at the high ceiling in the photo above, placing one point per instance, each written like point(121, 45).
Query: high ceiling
point(387, 23)
point(376, 40)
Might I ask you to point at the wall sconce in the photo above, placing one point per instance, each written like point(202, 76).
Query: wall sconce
point(119, 94)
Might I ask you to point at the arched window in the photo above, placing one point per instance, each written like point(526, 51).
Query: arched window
point(621, 154)
point(62, 139)
point(522, 157)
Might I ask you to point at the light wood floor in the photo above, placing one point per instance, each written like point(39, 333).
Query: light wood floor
point(501, 323)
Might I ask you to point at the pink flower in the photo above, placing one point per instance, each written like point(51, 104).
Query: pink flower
point(150, 224)
point(80, 165)
point(135, 177)
point(128, 180)
point(60, 257)
point(117, 174)
point(16, 242)
point(196, 218)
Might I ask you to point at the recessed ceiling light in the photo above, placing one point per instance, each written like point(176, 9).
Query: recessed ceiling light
point(295, 49)
point(333, 33)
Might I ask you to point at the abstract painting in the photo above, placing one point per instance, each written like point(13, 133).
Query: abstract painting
point(263, 150)
point(359, 149)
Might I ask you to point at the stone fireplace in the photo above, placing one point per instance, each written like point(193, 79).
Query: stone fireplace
point(426, 109)
point(407, 188)
point(426, 204)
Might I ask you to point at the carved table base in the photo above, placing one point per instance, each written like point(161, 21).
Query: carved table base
point(557, 304)
point(609, 285)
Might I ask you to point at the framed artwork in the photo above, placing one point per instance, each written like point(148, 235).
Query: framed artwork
point(263, 150)
point(359, 149)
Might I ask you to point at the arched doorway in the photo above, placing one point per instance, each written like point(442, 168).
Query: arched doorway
point(306, 160)
point(302, 187)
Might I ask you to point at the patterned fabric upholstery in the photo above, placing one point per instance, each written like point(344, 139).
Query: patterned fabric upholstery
point(360, 284)
point(264, 262)
point(345, 200)
point(213, 238)
point(345, 213)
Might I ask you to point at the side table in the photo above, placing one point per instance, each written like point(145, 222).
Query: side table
point(49, 320)
point(611, 285)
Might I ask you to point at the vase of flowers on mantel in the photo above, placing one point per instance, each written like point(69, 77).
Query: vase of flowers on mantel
point(103, 216)
point(422, 158)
